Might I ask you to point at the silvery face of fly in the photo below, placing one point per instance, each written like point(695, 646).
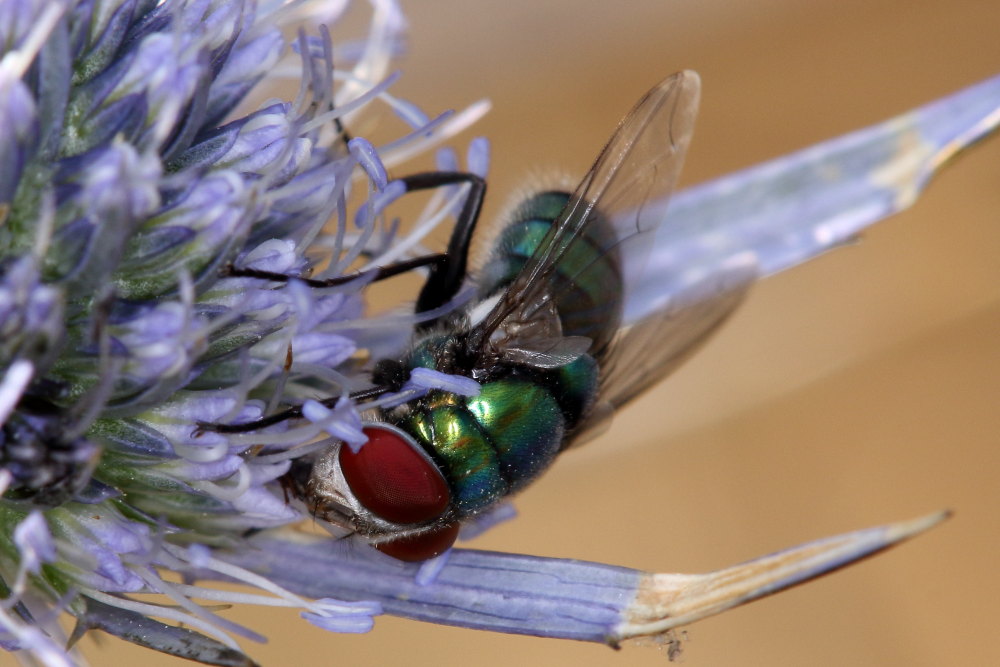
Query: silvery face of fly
point(545, 340)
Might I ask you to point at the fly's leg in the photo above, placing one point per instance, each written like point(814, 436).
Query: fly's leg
point(290, 413)
point(447, 272)
point(447, 277)
point(387, 271)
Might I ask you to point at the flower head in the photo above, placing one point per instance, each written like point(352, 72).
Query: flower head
point(130, 185)
point(150, 213)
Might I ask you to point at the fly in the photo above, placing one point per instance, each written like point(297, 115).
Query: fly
point(545, 338)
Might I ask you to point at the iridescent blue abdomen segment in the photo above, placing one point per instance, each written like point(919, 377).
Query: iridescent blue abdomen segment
point(587, 283)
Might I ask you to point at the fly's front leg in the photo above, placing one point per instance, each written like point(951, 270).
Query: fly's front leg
point(383, 272)
point(447, 277)
point(447, 270)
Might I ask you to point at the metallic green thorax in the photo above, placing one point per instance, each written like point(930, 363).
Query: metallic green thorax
point(493, 444)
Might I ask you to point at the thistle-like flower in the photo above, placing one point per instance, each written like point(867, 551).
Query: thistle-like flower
point(143, 218)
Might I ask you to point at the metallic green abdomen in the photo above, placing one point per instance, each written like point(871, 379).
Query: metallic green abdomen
point(587, 284)
point(491, 444)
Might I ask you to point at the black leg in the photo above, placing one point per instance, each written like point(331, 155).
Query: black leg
point(381, 273)
point(447, 270)
point(446, 278)
point(341, 130)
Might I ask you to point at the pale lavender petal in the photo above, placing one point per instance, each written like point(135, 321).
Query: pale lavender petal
point(445, 159)
point(275, 255)
point(198, 555)
point(341, 422)
point(175, 417)
point(349, 624)
point(262, 473)
point(365, 607)
point(478, 158)
point(31, 314)
point(411, 114)
point(376, 204)
point(119, 536)
point(200, 471)
point(34, 542)
point(427, 378)
point(159, 343)
point(106, 571)
point(339, 616)
point(18, 118)
point(430, 569)
point(322, 348)
point(368, 159)
point(262, 507)
point(262, 138)
point(12, 385)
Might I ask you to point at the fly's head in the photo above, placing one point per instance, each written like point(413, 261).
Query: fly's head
point(389, 491)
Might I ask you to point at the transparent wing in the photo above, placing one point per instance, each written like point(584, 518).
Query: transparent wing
point(639, 164)
point(616, 211)
point(650, 348)
point(671, 328)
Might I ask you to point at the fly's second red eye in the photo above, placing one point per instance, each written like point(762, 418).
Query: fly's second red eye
point(394, 479)
point(423, 546)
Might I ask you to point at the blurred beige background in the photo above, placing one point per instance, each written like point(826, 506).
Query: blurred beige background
point(856, 390)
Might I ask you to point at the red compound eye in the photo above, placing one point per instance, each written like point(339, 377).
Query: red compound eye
point(394, 479)
point(423, 546)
